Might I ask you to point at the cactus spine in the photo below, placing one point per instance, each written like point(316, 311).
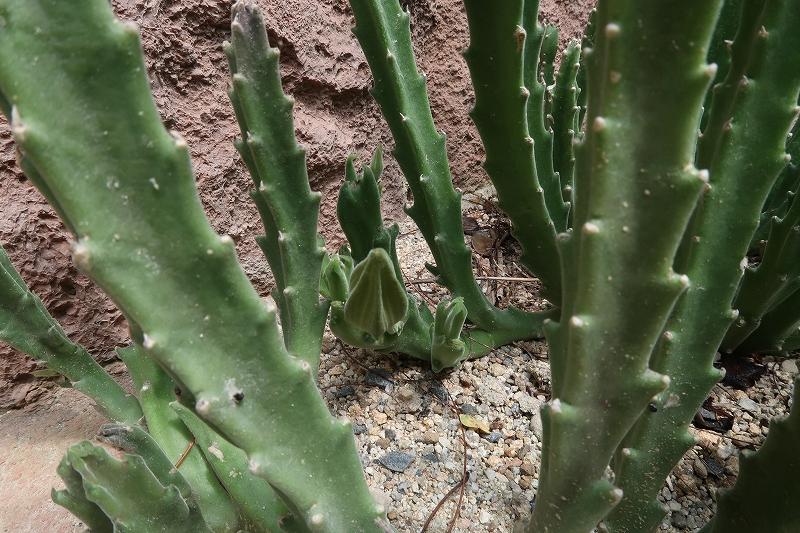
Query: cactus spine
point(743, 148)
point(635, 191)
point(127, 188)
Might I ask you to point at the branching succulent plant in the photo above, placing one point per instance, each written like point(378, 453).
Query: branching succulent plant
point(642, 232)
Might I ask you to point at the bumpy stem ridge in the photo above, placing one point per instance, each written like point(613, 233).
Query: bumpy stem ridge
point(744, 143)
point(635, 191)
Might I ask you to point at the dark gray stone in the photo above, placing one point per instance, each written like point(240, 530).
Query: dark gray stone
point(396, 461)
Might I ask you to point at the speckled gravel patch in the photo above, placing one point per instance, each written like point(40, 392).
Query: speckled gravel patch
point(409, 435)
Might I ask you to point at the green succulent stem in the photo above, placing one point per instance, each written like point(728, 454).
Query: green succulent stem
point(127, 188)
point(262, 509)
point(382, 28)
point(529, 63)
point(565, 118)
point(496, 59)
point(73, 498)
point(156, 391)
point(744, 158)
point(277, 164)
point(635, 192)
point(26, 325)
point(132, 495)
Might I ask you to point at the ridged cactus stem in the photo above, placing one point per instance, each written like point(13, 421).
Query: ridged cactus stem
point(288, 207)
point(383, 30)
point(745, 164)
point(524, 56)
point(156, 391)
point(772, 281)
point(127, 186)
point(636, 189)
point(776, 328)
point(766, 492)
point(135, 495)
point(26, 325)
point(495, 60)
point(565, 118)
point(719, 52)
point(262, 509)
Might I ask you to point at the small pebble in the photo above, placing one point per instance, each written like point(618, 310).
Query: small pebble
point(396, 461)
point(344, 392)
point(748, 405)
point(700, 468)
point(494, 437)
point(430, 437)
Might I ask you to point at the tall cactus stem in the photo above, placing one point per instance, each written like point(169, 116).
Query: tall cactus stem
point(383, 30)
point(288, 207)
point(495, 59)
point(26, 325)
point(763, 81)
point(635, 191)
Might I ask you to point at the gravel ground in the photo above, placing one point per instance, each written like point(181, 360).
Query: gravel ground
point(407, 423)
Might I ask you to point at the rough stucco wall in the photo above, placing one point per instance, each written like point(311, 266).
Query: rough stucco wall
point(325, 71)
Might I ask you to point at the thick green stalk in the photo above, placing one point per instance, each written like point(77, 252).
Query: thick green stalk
point(136, 441)
point(766, 493)
point(771, 282)
point(260, 506)
point(719, 53)
point(495, 60)
point(776, 328)
point(73, 499)
point(383, 30)
point(277, 164)
point(747, 158)
point(777, 205)
point(156, 391)
point(26, 325)
point(127, 186)
point(525, 55)
point(565, 118)
point(133, 496)
point(635, 191)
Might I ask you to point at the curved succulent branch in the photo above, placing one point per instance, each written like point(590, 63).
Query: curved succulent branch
point(529, 62)
point(744, 148)
point(262, 509)
point(73, 499)
point(127, 187)
point(565, 118)
point(26, 325)
point(133, 494)
point(495, 60)
point(635, 191)
point(156, 391)
point(288, 208)
point(382, 28)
